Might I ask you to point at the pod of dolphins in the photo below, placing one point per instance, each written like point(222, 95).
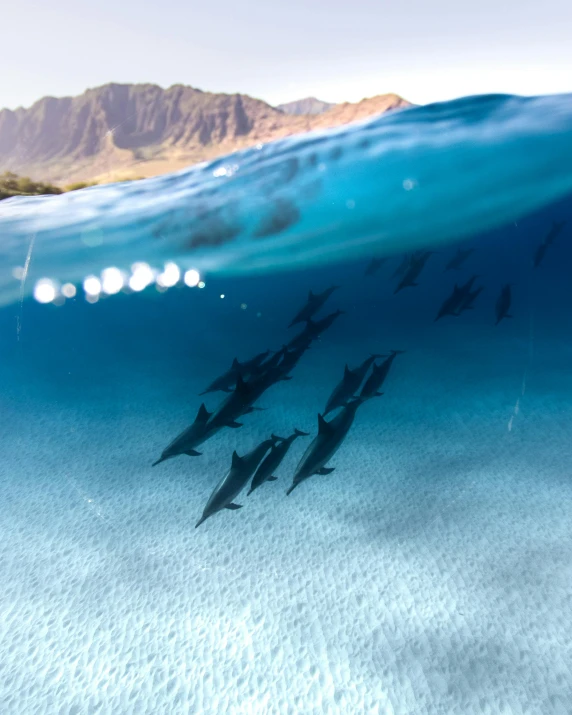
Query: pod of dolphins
point(245, 382)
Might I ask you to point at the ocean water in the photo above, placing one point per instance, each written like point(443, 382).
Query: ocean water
point(431, 571)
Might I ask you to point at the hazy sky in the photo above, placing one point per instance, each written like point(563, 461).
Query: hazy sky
point(425, 50)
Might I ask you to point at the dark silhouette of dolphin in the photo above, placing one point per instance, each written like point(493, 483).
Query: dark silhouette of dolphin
point(402, 266)
point(378, 374)
point(349, 384)
point(241, 400)
point(325, 445)
point(313, 330)
point(416, 265)
point(313, 304)
point(190, 438)
point(557, 226)
point(227, 380)
point(503, 303)
point(451, 304)
point(230, 486)
point(374, 265)
point(265, 472)
point(459, 258)
point(290, 358)
point(468, 300)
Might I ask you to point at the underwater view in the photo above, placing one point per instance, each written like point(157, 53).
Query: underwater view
point(290, 431)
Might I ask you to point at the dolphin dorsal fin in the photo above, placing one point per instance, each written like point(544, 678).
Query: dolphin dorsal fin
point(236, 460)
point(310, 295)
point(347, 371)
point(235, 363)
point(323, 426)
point(203, 414)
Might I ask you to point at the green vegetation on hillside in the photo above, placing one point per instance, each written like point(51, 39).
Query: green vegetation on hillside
point(79, 185)
point(14, 185)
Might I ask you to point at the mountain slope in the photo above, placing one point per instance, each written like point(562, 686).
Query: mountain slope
point(143, 129)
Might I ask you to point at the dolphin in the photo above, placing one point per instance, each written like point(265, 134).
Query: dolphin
point(290, 358)
point(557, 226)
point(348, 385)
point(402, 266)
point(265, 472)
point(230, 486)
point(451, 304)
point(227, 380)
point(313, 304)
point(416, 265)
point(503, 303)
point(468, 300)
point(313, 330)
point(378, 374)
point(241, 400)
point(549, 240)
point(459, 258)
point(539, 254)
point(192, 437)
point(330, 436)
point(270, 364)
point(374, 265)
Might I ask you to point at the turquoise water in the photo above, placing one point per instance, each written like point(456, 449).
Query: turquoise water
point(430, 571)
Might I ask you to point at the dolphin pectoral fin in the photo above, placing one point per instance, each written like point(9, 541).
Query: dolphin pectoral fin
point(271, 479)
point(233, 506)
point(193, 453)
point(325, 470)
point(225, 389)
point(255, 409)
point(158, 461)
point(234, 425)
point(285, 378)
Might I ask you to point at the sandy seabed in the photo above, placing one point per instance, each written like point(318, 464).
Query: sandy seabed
point(429, 573)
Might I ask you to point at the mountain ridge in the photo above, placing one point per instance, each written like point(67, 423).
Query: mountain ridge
point(120, 129)
point(308, 105)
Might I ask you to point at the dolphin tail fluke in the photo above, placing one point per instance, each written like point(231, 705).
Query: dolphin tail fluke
point(233, 506)
point(299, 433)
point(271, 479)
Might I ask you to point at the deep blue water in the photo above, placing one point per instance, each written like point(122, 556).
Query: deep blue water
point(429, 573)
